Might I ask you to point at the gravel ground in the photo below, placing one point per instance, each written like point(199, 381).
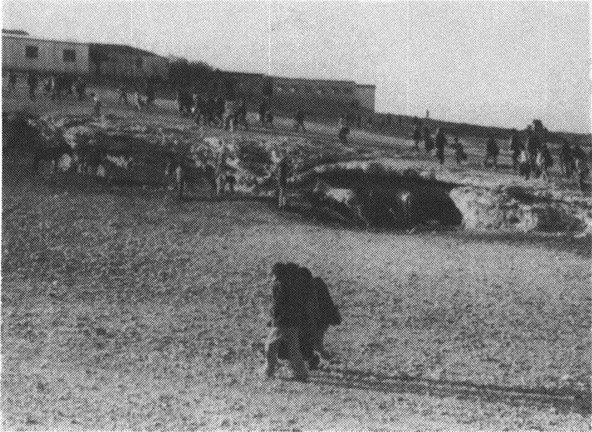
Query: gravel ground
point(124, 308)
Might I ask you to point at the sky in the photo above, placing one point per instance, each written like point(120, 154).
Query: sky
point(490, 63)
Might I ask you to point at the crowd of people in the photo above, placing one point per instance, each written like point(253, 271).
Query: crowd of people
point(531, 157)
point(54, 86)
point(302, 311)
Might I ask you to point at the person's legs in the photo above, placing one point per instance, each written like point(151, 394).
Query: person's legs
point(271, 351)
point(295, 356)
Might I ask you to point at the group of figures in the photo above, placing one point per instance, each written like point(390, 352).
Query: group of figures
point(302, 311)
point(55, 86)
point(530, 159)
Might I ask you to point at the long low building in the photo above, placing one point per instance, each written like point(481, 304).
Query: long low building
point(309, 93)
point(23, 53)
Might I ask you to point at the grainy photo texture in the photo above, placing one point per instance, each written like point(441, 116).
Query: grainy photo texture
point(296, 215)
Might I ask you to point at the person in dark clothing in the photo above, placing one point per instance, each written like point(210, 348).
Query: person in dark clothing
point(343, 128)
point(417, 135)
point(533, 143)
point(241, 114)
point(427, 139)
point(491, 151)
point(122, 95)
point(459, 151)
point(286, 316)
point(32, 83)
point(263, 112)
point(150, 94)
point(516, 147)
point(11, 81)
point(440, 145)
point(544, 161)
point(282, 181)
point(566, 160)
point(327, 314)
point(299, 120)
point(219, 109)
point(581, 164)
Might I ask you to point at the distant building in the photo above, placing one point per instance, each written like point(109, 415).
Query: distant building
point(23, 53)
point(315, 95)
point(123, 61)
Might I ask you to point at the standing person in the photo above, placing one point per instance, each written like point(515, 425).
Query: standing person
point(544, 161)
point(241, 115)
point(524, 165)
point(138, 102)
point(32, 83)
point(123, 95)
point(581, 164)
point(96, 104)
point(343, 129)
point(417, 135)
point(533, 144)
point(459, 151)
point(11, 81)
point(491, 151)
point(220, 107)
point(566, 160)
point(299, 118)
point(440, 145)
point(150, 94)
point(282, 181)
point(427, 139)
point(80, 86)
point(285, 324)
point(263, 112)
point(516, 147)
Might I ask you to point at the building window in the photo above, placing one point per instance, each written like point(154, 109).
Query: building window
point(280, 88)
point(294, 89)
point(139, 62)
point(31, 51)
point(69, 55)
point(348, 91)
point(335, 90)
point(308, 89)
point(321, 90)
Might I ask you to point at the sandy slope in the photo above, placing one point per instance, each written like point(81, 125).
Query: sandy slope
point(123, 308)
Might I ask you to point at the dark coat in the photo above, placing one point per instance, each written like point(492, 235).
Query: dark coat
point(328, 312)
point(285, 307)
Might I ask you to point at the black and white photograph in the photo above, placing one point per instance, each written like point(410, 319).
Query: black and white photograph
point(296, 215)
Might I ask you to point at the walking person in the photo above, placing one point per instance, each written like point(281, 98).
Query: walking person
point(96, 104)
point(263, 112)
point(524, 165)
point(32, 83)
point(459, 151)
point(286, 316)
point(427, 139)
point(11, 82)
point(491, 151)
point(327, 314)
point(417, 135)
point(516, 146)
point(544, 161)
point(122, 95)
point(566, 160)
point(282, 181)
point(299, 120)
point(343, 129)
point(440, 145)
point(533, 145)
point(581, 164)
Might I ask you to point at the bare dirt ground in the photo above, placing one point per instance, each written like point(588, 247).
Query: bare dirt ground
point(123, 308)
